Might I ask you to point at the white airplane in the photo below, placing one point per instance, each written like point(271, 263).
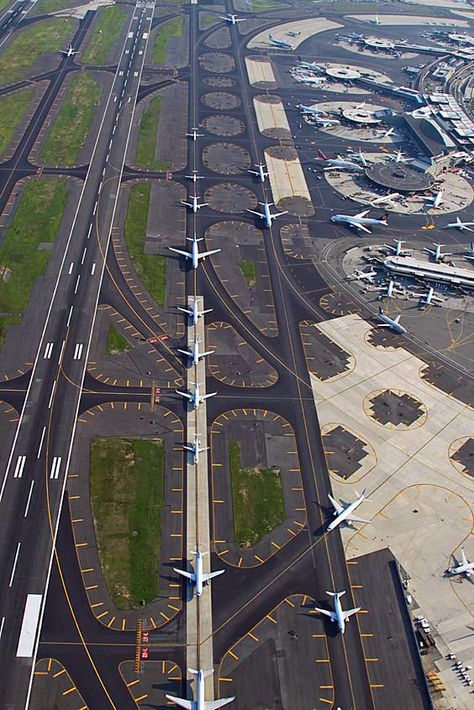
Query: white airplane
point(292, 33)
point(194, 313)
point(260, 172)
point(397, 249)
point(200, 703)
point(470, 252)
point(311, 80)
point(375, 20)
point(194, 177)
point(194, 255)
point(195, 448)
point(339, 163)
point(266, 215)
point(387, 290)
point(194, 135)
point(428, 297)
point(360, 158)
point(338, 615)
point(69, 52)
point(194, 397)
point(385, 199)
point(283, 44)
point(194, 354)
point(388, 132)
point(436, 200)
point(198, 578)
point(399, 157)
point(458, 224)
point(232, 19)
point(465, 567)
point(321, 121)
point(308, 65)
point(359, 221)
point(362, 276)
point(313, 110)
point(194, 205)
point(344, 514)
point(393, 323)
point(436, 253)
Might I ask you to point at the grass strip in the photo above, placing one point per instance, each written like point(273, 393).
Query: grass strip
point(12, 110)
point(173, 28)
point(150, 268)
point(147, 137)
point(257, 500)
point(126, 490)
point(26, 249)
point(116, 343)
point(72, 124)
point(106, 31)
point(249, 270)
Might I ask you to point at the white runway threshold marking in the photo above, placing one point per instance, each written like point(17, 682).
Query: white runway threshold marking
point(29, 626)
point(20, 465)
point(55, 467)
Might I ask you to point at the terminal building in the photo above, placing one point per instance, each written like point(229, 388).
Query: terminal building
point(413, 268)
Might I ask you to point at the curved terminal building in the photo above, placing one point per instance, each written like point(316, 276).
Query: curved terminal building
point(410, 267)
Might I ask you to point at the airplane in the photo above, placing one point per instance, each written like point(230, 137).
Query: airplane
point(194, 355)
point(232, 19)
point(384, 199)
point(260, 172)
point(465, 567)
point(388, 132)
point(194, 397)
point(194, 255)
point(470, 252)
point(393, 323)
point(200, 703)
point(292, 33)
point(194, 206)
point(312, 80)
point(458, 224)
point(280, 42)
point(436, 253)
point(389, 290)
point(198, 578)
point(194, 135)
point(359, 221)
point(320, 121)
point(397, 250)
point(360, 157)
point(311, 109)
point(399, 157)
point(362, 276)
point(69, 52)
point(428, 297)
point(308, 65)
point(194, 177)
point(436, 200)
point(338, 615)
point(345, 514)
point(266, 215)
point(339, 162)
point(195, 448)
point(194, 313)
point(375, 20)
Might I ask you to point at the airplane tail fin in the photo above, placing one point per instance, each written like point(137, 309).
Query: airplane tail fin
point(196, 552)
point(335, 594)
point(322, 155)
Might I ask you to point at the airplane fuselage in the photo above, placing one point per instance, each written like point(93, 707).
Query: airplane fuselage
point(344, 514)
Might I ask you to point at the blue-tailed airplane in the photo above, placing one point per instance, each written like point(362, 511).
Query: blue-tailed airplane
point(200, 703)
point(194, 255)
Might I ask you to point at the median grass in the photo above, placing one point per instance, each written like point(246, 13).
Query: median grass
point(126, 490)
point(72, 124)
point(106, 31)
point(257, 500)
point(173, 28)
point(150, 268)
point(116, 343)
point(25, 251)
point(12, 110)
point(29, 44)
point(45, 6)
point(249, 270)
point(147, 137)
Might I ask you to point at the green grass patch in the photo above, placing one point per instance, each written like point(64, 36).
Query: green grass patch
point(257, 500)
point(26, 249)
point(249, 270)
point(116, 343)
point(12, 110)
point(150, 268)
point(126, 490)
point(173, 28)
point(207, 20)
point(72, 124)
point(147, 138)
point(29, 44)
point(45, 6)
point(106, 31)
point(259, 5)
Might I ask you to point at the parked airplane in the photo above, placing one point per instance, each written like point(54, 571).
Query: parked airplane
point(292, 33)
point(194, 354)
point(387, 290)
point(458, 224)
point(194, 177)
point(359, 221)
point(399, 157)
point(311, 80)
point(360, 158)
point(397, 249)
point(338, 615)
point(428, 297)
point(385, 199)
point(362, 276)
point(308, 65)
point(194, 205)
point(194, 397)
point(194, 313)
point(321, 121)
point(375, 20)
point(198, 578)
point(436, 200)
point(313, 110)
point(436, 253)
point(195, 448)
point(339, 162)
point(393, 323)
point(194, 135)
point(470, 252)
point(266, 215)
point(260, 172)
point(280, 42)
point(232, 19)
point(344, 514)
point(194, 255)
point(388, 132)
point(69, 52)
point(464, 567)
point(200, 703)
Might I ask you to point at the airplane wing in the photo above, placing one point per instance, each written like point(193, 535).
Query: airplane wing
point(356, 519)
point(215, 704)
point(325, 612)
point(464, 559)
point(188, 575)
point(185, 352)
point(187, 254)
point(363, 214)
point(259, 214)
point(188, 704)
point(347, 614)
point(279, 214)
point(184, 394)
point(211, 575)
point(396, 320)
point(203, 254)
point(335, 503)
point(360, 226)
